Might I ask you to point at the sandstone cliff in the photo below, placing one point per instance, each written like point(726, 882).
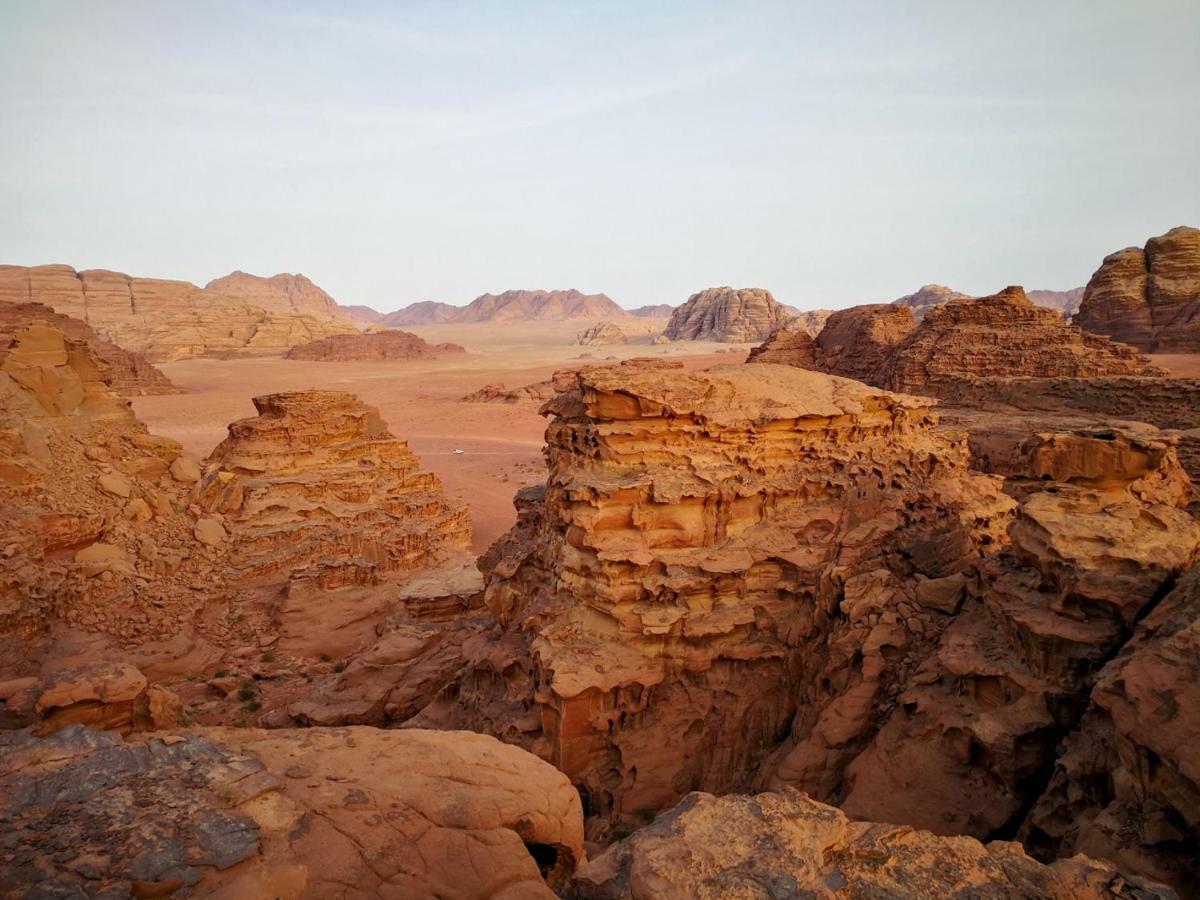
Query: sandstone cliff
point(374, 345)
point(726, 314)
point(280, 293)
point(316, 479)
point(791, 344)
point(1066, 303)
point(675, 587)
point(856, 342)
point(1148, 297)
point(129, 374)
point(1001, 336)
point(599, 335)
point(163, 319)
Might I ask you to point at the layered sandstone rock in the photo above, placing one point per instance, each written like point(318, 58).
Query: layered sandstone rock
point(289, 814)
point(164, 319)
point(812, 320)
point(113, 696)
point(856, 342)
point(1001, 336)
point(530, 306)
point(316, 479)
point(129, 374)
point(927, 297)
point(790, 344)
point(280, 293)
point(726, 314)
point(1099, 533)
point(671, 598)
point(371, 345)
point(599, 335)
point(1127, 784)
point(1148, 297)
point(779, 846)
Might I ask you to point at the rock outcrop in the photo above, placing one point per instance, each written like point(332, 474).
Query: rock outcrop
point(856, 342)
point(290, 814)
point(726, 314)
point(1127, 784)
point(813, 320)
point(790, 344)
point(1148, 297)
point(670, 598)
point(370, 345)
point(778, 846)
point(1065, 302)
point(280, 293)
point(1004, 335)
point(129, 374)
point(654, 311)
point(927, 297)
point(165, 320)
point(534, 306)
point(599, 335)
point(316, 480)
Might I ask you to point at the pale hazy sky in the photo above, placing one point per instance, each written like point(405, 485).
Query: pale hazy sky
point(832, 152)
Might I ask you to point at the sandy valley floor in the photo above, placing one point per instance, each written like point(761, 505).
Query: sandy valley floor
point(419, 399)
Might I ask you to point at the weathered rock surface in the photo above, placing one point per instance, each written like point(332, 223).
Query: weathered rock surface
point(1066, 303)
point(351, 812)
point(671, 598)
point(373, 345)
point(113, 696)
point(95, 531)
point(599, 335)
point(163, 319)
point(531, 306)
point(1127, 784)
point(129, 374)
point(791, 344)
point(726, 314)
point(280, 293)
point(316, 480)
point(813, 320)
point(1148, 297)
point(856, 342)
point(1003, 335)
point(779, 846)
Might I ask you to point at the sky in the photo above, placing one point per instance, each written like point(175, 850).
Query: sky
point(833, 153)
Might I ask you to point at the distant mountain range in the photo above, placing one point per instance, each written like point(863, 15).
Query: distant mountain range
point(931, 295)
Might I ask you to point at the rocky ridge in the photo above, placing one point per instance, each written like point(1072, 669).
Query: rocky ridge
point(599, 335)
point(370, 345)
point(165, 320)
point(1148, 297)
point(726, 314)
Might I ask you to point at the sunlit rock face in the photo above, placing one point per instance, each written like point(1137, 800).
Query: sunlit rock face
point(1148, 297)
point(726, 314)
point(712, 552)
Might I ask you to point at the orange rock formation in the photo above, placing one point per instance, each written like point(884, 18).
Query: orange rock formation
point(1149, 297)
point(377, 345)
point(600, 334)
point(163, 319)
point(726, 314)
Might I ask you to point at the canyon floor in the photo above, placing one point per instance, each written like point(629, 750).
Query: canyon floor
point(420, 399)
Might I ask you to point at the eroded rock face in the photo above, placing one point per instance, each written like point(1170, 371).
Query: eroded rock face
point(1148, 297)
point(1127, 784)
point(791, 344)
point(94, 526)
point(777, 846)
point(927, 297)
point(164, 319)
point(856, 342)
point(129, 374)
point(287, 814)
point(316, 480)
point(726, 314)
point(672, 596)
point(1004, 335)
point(373, 345)
point(279, 293)
point(600, 334)
point(1099, 533)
